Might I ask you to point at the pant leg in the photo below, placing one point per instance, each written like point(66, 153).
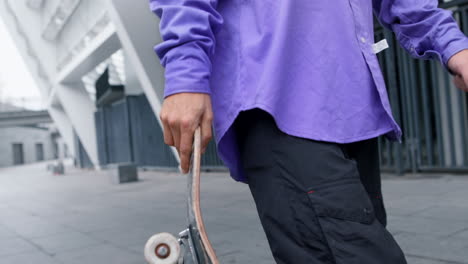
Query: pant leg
point(366, 155)
point(310, 199)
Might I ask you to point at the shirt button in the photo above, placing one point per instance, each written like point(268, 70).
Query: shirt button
point(363, 39)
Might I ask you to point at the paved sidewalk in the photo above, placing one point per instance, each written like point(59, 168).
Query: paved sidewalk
point(82, 218)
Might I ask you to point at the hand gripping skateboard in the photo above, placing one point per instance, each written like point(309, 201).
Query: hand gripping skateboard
point(192, 246)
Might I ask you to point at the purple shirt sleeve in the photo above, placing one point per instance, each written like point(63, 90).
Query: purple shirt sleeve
point(422, 28)
point(187, 28)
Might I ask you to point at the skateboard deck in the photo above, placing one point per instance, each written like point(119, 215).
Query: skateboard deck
point(193, 245)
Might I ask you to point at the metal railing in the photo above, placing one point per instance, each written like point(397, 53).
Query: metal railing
point(430, 110)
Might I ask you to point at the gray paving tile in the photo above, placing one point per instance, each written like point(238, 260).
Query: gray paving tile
point(462, 234)
point(14, 245)
point(419, 260)
point(71, 240)
point(453, 213)
point(136, 248)
point(242, 246)
point(34, 257)
point(431, 247)
point(103, 253)
point(409, 205)
point(92, 222)
point(435, 227)
point(124, 237)
point(6, 233)
point(37, 228)
point(13, 215)
point(81, 218)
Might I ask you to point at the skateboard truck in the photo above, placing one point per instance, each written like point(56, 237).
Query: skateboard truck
point(192, 246)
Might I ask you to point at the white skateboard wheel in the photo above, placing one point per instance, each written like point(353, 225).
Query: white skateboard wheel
point(162, 248)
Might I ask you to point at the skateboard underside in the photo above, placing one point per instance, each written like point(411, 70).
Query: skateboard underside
point(192, 246)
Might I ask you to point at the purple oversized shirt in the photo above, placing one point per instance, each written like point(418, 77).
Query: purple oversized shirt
point(310, 64)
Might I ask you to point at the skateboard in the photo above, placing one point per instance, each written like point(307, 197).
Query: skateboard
point(193, 245)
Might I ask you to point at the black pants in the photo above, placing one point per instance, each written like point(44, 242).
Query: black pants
point(318, 202)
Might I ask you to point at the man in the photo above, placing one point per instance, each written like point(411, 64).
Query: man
point(298, 100)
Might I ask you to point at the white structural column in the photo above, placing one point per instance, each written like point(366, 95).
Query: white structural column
point(137, 28)
point(63, 124)
point(72, 94)
point(80, 109)
point(24, 26)
point(132, 83)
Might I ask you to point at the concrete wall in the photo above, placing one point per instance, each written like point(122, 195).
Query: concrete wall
point(28, 136)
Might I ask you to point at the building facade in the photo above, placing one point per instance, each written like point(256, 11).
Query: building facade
point(22, 145)
point(27, 137)
point(99, 76)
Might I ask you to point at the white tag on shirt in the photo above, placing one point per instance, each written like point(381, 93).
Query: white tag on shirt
point(379, 46)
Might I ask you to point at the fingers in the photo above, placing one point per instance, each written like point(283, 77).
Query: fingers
point(180, 135)
point(168, 137)
point(180, 114)
point(206, 132)
point(175, 131)
point(185, 147)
